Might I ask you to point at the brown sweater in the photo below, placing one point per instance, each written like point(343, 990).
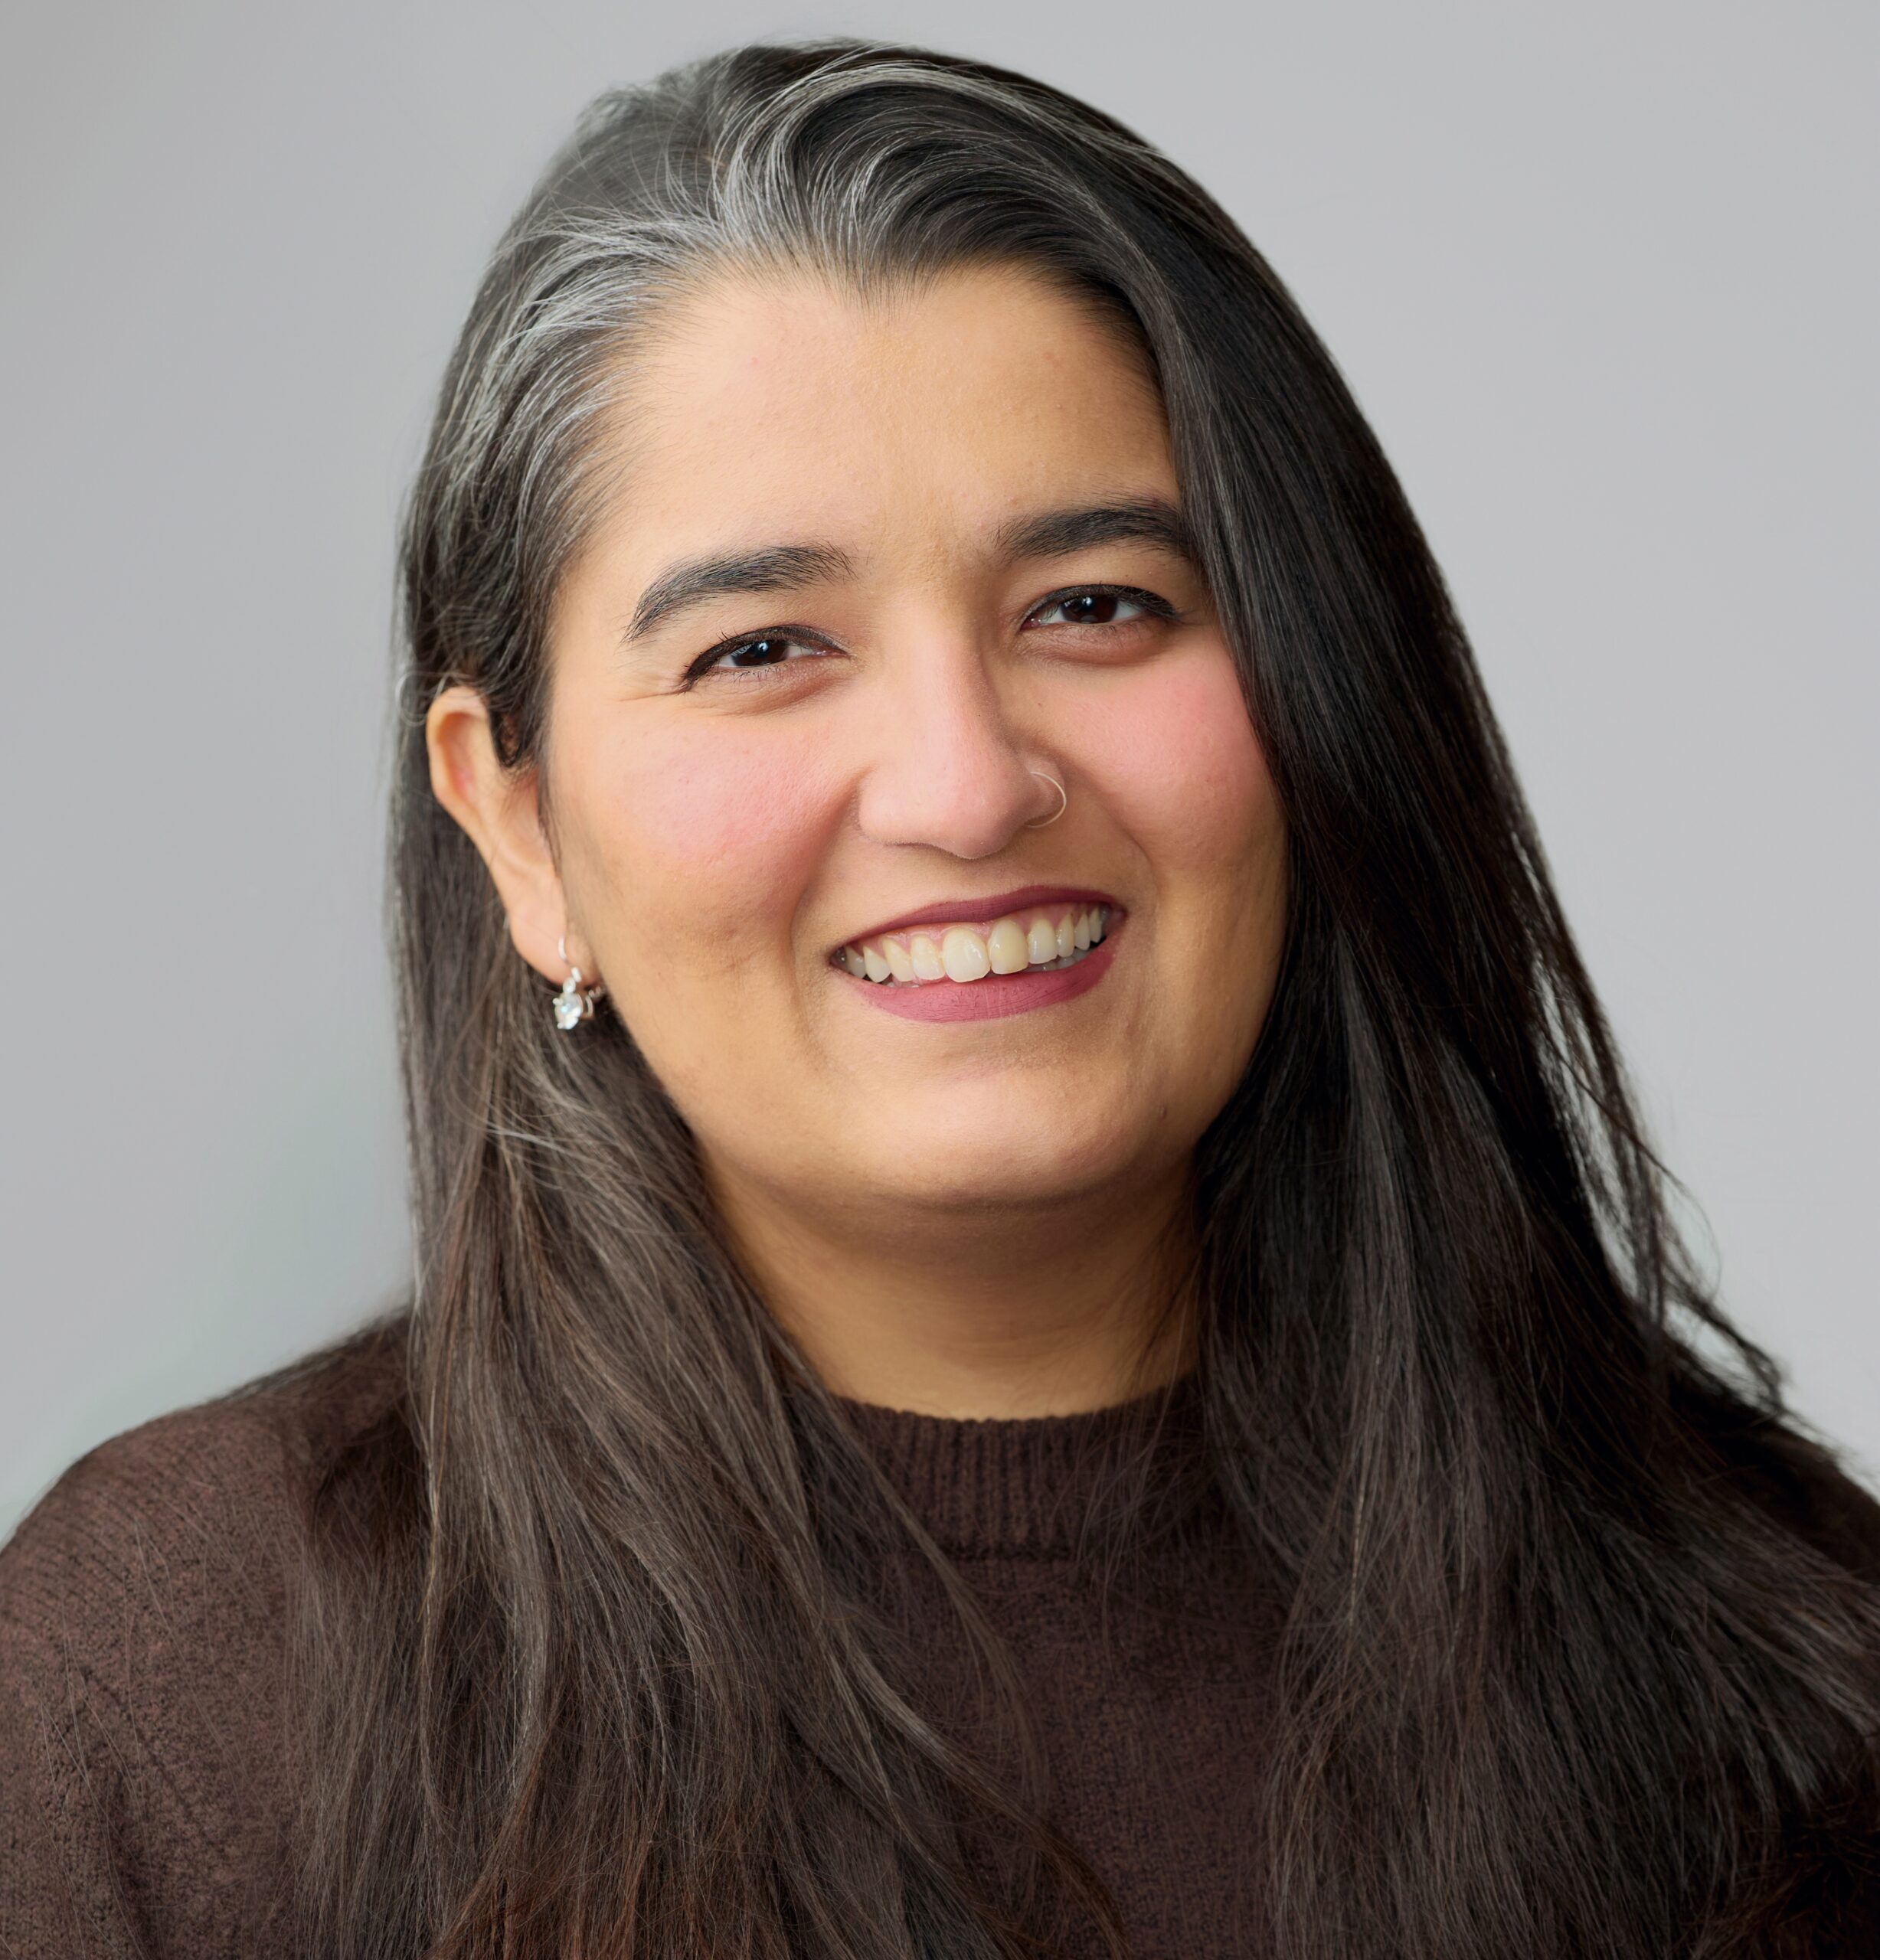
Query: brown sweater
point(144, 1808)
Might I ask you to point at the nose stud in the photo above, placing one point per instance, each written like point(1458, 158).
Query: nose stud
point(1063, 801)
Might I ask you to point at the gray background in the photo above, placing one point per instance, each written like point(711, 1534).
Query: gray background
point(1603, 276)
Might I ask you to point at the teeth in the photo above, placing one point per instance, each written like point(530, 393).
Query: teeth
point(963, 954)
point(1008, 947)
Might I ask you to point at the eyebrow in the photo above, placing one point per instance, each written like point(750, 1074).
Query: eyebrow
point(791, 567)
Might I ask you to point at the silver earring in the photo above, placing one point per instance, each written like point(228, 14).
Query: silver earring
point(1064, 805)
point(575, 1003)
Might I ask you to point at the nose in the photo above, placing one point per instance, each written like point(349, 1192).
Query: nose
point(948, 765)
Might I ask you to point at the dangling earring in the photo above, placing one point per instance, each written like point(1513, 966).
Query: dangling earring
point(575, 1003)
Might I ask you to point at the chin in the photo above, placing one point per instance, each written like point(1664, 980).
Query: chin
point(1014, 1164)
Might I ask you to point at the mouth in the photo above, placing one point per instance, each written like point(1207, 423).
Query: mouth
point(993, 995)
point(946, 945)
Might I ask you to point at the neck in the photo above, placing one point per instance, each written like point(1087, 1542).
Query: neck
point(1044, 1310)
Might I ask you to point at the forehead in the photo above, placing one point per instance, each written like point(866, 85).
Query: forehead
point(786, 402)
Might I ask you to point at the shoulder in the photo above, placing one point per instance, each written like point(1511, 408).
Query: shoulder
point(186, 1525)
point(144, 1606)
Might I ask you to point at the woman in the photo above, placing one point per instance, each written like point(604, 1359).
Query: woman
point(1042, 1324)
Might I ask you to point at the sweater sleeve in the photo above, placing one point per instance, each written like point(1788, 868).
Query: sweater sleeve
point(142, 1803)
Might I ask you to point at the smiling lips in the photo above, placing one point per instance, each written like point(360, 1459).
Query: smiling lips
point(1036, 939)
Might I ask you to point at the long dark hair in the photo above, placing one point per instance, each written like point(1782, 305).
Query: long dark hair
point(1570, 1666)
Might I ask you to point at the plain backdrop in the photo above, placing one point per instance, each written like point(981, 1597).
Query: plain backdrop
point(1603, 276)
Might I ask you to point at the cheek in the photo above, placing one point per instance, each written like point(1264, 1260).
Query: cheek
point(1178, 754)
point(700, 839)
point(1183, 769)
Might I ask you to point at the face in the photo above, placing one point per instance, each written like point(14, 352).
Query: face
point(873, 570)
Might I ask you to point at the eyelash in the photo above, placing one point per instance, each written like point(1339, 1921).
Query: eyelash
point(706, 664)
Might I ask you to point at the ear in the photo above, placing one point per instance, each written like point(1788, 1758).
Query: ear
point(498, 811)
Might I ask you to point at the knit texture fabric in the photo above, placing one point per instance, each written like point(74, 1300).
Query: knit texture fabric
point(144, 1807)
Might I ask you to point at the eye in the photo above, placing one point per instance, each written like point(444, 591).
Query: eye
point(755, 654)
point(1099, 605)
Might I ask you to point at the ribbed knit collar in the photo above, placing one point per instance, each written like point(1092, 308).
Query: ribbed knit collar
point(1022, 1486)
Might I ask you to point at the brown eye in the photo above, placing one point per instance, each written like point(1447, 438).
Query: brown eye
point(1092, 609)
point(757, 653)
point(756, 656)
point(1098, 606)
